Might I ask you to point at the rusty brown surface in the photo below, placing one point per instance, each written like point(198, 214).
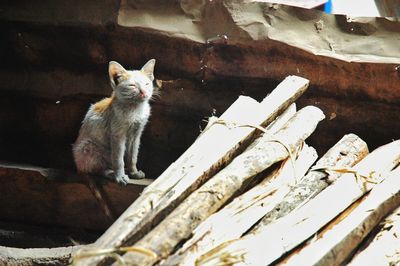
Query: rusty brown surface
point(28, 196)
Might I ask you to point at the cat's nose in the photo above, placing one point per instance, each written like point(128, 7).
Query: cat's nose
point(142, 93)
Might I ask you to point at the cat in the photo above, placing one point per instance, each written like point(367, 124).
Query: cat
point(109, 138)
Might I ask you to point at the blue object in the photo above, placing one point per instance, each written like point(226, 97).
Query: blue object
point(328, 7)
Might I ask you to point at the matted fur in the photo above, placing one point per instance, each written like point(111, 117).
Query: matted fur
point(109, 137)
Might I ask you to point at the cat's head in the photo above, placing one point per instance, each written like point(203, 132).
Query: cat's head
point(132, 86)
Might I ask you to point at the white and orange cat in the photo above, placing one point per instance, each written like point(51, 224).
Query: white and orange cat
point(109, 139)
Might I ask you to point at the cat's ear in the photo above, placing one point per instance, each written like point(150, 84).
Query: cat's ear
point(148, 69)
point(115, 70)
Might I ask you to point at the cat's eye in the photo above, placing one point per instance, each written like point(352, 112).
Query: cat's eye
point(118, 78)
point(147, 84)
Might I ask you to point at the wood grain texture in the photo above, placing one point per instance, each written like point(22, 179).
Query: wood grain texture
point(36, 256)
point(346, 153)
point(289, 231)
point(384, 248)
point(244, 211)
point(206, 200)
point(333, 246)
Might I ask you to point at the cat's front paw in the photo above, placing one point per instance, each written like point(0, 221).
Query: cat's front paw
point(136, 174)
point(122, 179)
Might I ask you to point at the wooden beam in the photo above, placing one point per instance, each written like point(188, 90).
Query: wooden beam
point(346, 153)
point(244, 211)
point(384, 249)
point(345, 233)
point(36, 256)
point(187, 252)
point(274, 240)
point(38, 195)
point(206, 200)
point(198, 164)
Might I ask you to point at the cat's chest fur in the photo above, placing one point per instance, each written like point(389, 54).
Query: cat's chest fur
point(130, 118)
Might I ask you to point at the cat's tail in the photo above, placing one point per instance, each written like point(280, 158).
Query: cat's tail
point(66, 176)
point(90, 181)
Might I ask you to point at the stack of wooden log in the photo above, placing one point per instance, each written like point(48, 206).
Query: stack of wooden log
point(247, 192)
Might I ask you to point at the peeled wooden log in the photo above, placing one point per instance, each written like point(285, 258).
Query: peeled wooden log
point(206, 200)
point(274, 240)
point(56, 197)
point(346, 153)
point(385, 247)
point(198, 164)
point(285, 170)
point(36, 256)
point(346, 233)
point(246, 210)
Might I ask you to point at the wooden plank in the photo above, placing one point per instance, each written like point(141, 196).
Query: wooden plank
point(346, 153)
point(36, 256)
point(384, 249)
point(244, 211)
point(45, 196)
point(197, 164)
point(206, 200)
point(346, 233)
point(198, 234)
point(289, 231)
